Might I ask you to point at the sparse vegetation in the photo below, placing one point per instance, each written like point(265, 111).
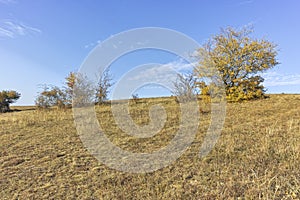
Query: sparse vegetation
point(256, 157)
point(185, 87)
point(51, 96)
point(76, 84)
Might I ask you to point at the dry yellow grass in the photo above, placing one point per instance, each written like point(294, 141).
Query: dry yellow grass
point(256, 157)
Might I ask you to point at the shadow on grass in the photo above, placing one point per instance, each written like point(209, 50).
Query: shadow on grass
point(20, 109)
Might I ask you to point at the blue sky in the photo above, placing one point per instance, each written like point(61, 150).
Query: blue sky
point(42, 41)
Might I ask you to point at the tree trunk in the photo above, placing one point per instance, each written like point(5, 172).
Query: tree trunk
point(4, 107)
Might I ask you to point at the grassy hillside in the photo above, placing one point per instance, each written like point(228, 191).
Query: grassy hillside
point(256, 157)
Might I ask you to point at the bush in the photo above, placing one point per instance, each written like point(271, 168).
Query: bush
point(6, 98)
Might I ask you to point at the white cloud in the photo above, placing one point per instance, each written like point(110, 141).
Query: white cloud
point(92, 44)
point(164, 72)
point(151, 77)
point(240, 3)
point(145, 76)
point(155, 73)
point(181, 65)
point(161, 74)
point(245, 2)
point(88, 45)
point(6, 33)
point(7, 1)
point(278, 79)
point(12, 29)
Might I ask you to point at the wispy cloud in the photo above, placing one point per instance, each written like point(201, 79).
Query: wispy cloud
point(144, 76)
point(8, 1)
point(152, 77)
point(245, 2)
point(239, 3)
point(277, 79)
point(12, 29)
point(154, 74)
point(164, 72)
point(181, 65)
point(92, 44)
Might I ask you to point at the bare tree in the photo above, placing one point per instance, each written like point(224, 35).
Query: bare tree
point(79, 90)
point(103, 86)
point(185, 87)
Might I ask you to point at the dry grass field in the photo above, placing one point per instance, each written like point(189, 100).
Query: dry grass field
point(256, 157)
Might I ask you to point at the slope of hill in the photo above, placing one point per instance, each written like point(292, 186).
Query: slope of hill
point(257, 156)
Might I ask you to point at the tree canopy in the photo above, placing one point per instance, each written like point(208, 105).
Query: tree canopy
point(51, 96)
point(8, 97)
point(238, 59)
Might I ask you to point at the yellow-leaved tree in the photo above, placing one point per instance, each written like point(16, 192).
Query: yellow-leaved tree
point(238, 59)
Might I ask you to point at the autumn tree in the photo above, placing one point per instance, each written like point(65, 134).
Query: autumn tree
point(69, 86)
point(51, 96)
point(8, 97)
point(238, 59)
